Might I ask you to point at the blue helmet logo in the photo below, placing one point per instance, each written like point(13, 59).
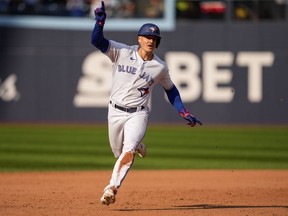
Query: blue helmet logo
point(150, 29)
point(153, 29)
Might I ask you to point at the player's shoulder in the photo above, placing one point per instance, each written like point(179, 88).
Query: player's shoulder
point(118, 45)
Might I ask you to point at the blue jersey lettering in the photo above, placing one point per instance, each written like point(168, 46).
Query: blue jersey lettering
point(127, 69)
point(147, 78)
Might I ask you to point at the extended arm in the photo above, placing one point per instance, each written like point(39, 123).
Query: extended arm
point(97, 37)
point(175, 100)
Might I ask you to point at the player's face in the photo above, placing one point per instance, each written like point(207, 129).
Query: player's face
point(147, 43)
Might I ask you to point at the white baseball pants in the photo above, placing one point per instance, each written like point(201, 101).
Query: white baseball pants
point(126, 131)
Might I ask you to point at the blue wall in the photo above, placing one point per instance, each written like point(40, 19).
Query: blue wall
point(226, 73)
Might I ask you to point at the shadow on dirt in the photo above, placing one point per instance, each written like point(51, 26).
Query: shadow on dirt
point(209, 206)
point(203, 206)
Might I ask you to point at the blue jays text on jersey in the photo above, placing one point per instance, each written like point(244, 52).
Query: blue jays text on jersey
point(132, 70)
point(127, 69)
point(147, 77)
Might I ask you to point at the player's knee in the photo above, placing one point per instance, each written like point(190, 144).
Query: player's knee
point(128, 158)
point(127, 148)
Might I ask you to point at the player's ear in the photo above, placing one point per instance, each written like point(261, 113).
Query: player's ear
point(139, 39)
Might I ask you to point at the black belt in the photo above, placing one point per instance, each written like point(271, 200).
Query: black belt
point(129, 110)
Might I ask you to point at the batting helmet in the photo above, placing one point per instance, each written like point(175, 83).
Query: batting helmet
point(150, 29)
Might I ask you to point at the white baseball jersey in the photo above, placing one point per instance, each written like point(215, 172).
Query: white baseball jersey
point(134, 78)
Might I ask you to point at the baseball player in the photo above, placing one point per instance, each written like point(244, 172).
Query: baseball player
point(136, 70)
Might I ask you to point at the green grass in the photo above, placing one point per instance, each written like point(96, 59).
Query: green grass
point(86, 147)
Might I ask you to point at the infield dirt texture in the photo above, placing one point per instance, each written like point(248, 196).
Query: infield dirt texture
point(177, 192)
point(217, 171)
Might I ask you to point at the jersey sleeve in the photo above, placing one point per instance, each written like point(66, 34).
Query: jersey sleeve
point(115, 49)
point(165, 80)
point(171, 90)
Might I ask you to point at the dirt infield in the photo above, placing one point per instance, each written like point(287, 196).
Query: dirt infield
point(189, 192)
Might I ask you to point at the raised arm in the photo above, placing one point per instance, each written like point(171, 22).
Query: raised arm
point(97, 37)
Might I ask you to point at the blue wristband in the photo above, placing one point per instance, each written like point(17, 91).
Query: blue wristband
point(175, 99)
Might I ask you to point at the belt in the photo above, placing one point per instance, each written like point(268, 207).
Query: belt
point(129, 110)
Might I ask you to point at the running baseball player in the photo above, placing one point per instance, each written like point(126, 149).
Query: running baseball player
point(136, 70)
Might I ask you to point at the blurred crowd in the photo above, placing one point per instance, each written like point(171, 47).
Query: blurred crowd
point(239, 9)
point(185, 9)
point(259, 10)
point(83, 8)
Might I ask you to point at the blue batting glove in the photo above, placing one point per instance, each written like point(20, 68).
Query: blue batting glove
point(192, 120)
point(100, 14)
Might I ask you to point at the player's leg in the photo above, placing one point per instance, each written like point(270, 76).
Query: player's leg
point(121, 168)
point(116, 121)
point(134, 131)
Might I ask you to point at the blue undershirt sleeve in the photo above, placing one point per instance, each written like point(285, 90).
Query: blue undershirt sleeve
point(98, 40)
point(175, 99)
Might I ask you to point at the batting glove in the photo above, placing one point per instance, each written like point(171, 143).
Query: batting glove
point(100, 14)
point(192, 120)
